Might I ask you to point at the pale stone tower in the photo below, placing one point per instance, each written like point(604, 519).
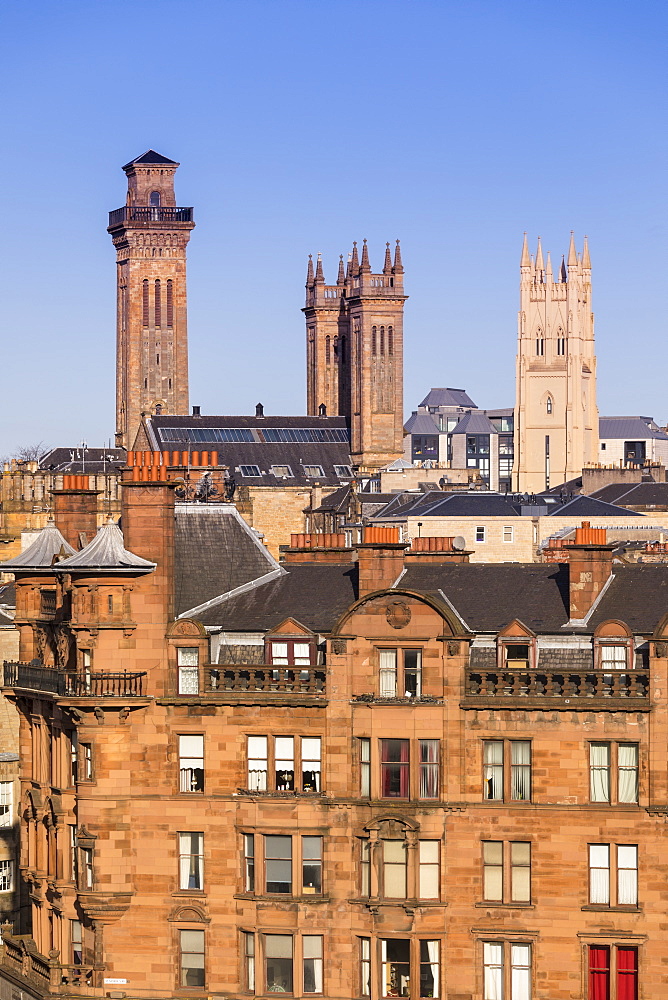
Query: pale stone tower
point(150, 235)
point(556, 418)
point(354, 353)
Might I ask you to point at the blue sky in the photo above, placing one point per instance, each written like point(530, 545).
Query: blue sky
point(301, 126)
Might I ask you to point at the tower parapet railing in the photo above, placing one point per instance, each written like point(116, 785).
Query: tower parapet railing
point(148, 213)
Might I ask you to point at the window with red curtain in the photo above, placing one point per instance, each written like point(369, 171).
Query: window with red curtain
point(627, 974)
point(394, 768)
point(599, 972)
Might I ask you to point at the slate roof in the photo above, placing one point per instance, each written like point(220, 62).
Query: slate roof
point(421, 423)
point(630, 428)
point(488, 596)
point(150, 156)
point(634, 494)
point(204, 433)
point(42, 553)
point(8, 595)
point(588, 506)
point(83, 460)
point(438, 503)
point(638, 595)
point(336, 501)
point(315, 595)
point(448, 397)
point(106, 553)
point(475, 423)
point(215, 552)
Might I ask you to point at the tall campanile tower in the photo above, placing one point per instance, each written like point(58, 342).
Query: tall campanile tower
point(150, 235)
point(556, 418)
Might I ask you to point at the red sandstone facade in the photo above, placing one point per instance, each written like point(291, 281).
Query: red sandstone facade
point(399, 805)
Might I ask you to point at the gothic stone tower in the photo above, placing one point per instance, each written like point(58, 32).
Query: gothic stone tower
point(556, 418)
point(150, 235)
point(354, 353)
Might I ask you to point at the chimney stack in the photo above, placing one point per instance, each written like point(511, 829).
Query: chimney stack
point(75, 510)
point(436, 550)
point(317, 547)
point(589, 568)
point(380, 558)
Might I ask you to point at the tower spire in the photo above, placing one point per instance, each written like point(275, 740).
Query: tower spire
point(525, 259)
point(319, 275)
point(572, 254)
point(309, 271)
point(365, 266)
point(398, 266)
point(354, 261)
point(387, 266)
point(586, 262)
point(539, 257)
point(341, 276)
point(563, 275)
point(548, 267)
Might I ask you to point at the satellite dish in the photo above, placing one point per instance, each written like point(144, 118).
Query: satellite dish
point(459, 542)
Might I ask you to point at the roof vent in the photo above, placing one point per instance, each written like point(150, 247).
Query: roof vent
point(259, 410)
point(322, 410)
point(196, 411)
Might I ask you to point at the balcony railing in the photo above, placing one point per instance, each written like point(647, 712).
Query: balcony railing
point(146, 213)
point(625, 687)
point(101, 684)
point(267, 679)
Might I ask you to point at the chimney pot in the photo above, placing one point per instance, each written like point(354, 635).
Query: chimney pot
point(197, 411)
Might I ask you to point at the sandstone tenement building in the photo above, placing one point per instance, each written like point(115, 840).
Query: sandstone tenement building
point(377, 771)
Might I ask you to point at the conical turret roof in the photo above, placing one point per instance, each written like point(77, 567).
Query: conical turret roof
point(106, 554)
point(47, 549)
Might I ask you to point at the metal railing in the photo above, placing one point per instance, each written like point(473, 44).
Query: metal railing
point(147, 213)
point(267, 679)
point(101, 684)
point(577, 685)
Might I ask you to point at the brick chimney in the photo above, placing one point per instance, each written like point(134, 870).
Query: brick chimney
point(436, 550)
point(380, 557)
point(148, 521)
point(590, 565)
point(75, 510)
point(316, 547)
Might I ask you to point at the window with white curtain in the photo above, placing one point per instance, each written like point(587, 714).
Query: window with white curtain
point(284, 763)
point(613, 772)
point(400, 673)
point(627, 772)
point(614, 656)
point(507, 757)
point(429, 763)
point(365, 967)
point(506, 970)
point(191, 861)
point(613, 886)
point(191, 763)
point(398, 969)
point(520, 770)
point(599, 772)
point(387, 669)
point(493, 769)
point(312, 963)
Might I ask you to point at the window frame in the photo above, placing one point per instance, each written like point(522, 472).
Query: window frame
point(319, 474)
point(187, 670)
point(290, 660)
point(614, 770)
point(378, 963)
point(254, 868)
point(6, 804)
point(298, 760)
point(507, 966)
point(509, 780)
point(195, 859)
point(614, 869)
point(611, 971)
point(243, 469)
point(400, 672)
point(504, 644)
point(183, 952)
point(182, 757)
point(507, 865)
point(7, 875)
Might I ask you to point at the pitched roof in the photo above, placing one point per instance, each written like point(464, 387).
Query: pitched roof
point(475, 423)
point(448, 397)
point(40, 556)
point(637, 595)
point(315, 595)
point(83, 460)
point(421, 423)
point(106, 553)
point(634, 494)
point(630, 428)
point(150, 156)
point(588, 506)
point(215, 552)
point(459, 503)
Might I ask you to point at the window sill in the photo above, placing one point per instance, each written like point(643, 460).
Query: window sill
point(284, 897)
point(506, 906)
point(602, 908)
point(372, 699)
point(190, 892)
point(270, 794)
point(413, 904)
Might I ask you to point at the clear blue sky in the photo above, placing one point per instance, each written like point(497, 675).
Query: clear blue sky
point(301, 126)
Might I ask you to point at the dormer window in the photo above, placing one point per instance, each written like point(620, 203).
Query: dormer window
point(517, 655)
point(613, 656)
point(400, 673)
point(516, 648)
point(289, 653)
point(613, 646)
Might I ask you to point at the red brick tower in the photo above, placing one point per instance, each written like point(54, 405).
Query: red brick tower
point(354, 343)
point(150, 235)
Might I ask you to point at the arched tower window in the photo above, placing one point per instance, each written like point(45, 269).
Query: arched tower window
point(548, 405)
point(540, 344)
point(158, 304)
point(373, 341)
point(382, 340)
point(328, 348)
point(144, 309)
point(561, 343)
point(170, 303)
point(154, 200)
point(390, 341)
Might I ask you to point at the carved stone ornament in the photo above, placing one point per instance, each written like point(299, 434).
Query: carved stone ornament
point(661, 649)
point(453, 649)
point(398, 614)
point(63, 647)
point(339, 646)
point(186, 628)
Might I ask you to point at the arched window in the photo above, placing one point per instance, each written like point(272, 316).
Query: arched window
point(328, 349)
point(373, 341)
point(390, 341)
point(154, 200)
point(382, 340)
point(548, 405)
point(145, 302)
point(540, 345)
point(158, 304)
